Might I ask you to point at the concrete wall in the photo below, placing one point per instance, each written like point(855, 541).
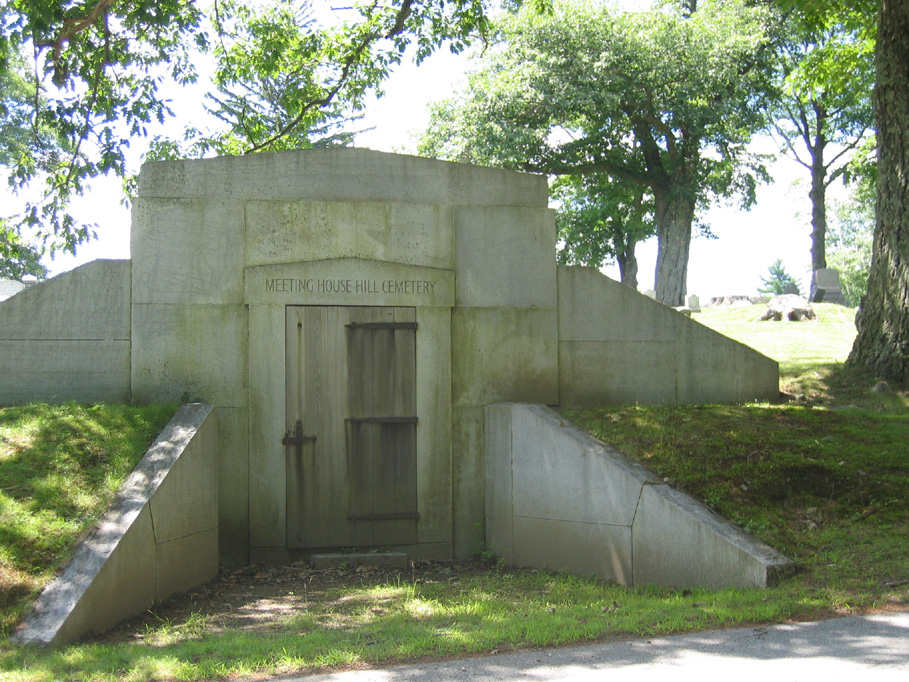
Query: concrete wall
point(207, 236)
point(68, 338)
point(619, 346)
point(558, 499)
point(159, 538)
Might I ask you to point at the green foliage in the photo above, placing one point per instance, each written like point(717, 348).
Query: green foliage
point(20, 261)
point(60, 466)
point(600, 220)
point(83, 82)
point(777, 280)
point(851, 242)
point(821, 113)
point(664, 101)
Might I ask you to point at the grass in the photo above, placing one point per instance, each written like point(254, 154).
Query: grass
point(60, 466)
point(822, 478)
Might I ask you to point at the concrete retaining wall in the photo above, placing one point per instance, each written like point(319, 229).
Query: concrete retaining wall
point(159, 538)
point(618, 346)
point(558, 499)
point(68, 338)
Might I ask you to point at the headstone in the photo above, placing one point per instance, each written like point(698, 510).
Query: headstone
point(788, 307)
point(693, 303)
point(825, 286)
point(649, 293)
point(9, 287)
point(791, 288)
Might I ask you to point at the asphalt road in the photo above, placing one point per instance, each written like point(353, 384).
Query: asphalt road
point(856, 648)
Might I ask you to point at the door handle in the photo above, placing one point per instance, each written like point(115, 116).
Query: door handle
point(296, 438)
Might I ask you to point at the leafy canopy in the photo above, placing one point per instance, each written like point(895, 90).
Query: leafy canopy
point(84, 82)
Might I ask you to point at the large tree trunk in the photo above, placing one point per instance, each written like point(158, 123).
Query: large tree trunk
point(674, 216)
point(818, 196)
point(628, 265)
point(882, 344)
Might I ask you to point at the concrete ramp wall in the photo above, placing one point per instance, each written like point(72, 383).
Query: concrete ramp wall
point(619, 346)
point(159, 538)
point(558, 499)
point(68, 338)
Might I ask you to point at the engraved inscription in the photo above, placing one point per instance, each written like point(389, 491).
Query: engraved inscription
point(349, 286)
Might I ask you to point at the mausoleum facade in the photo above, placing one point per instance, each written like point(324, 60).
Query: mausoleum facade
point(350, 314)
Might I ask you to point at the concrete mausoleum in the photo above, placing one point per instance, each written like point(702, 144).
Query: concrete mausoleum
point(350, 314)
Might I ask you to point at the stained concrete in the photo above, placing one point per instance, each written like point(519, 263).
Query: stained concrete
point(221, 247)
point(159, 538)
point(558, 499)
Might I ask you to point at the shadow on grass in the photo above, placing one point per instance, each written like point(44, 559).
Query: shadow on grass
point(837, 385)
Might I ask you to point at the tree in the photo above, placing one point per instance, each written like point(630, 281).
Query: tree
point(664, 100)
point(600, 220)
point(777, 280)
point(851, 238)
point(95, 73)
point(824, 103)
point(882, 343)
point(21, 261)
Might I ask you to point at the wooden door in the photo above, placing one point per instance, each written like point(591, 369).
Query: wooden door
point(351, 395)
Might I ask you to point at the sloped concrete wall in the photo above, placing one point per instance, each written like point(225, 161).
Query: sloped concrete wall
point(159, 538)
point(558, 499)
point(68, 338)
point(619, 346)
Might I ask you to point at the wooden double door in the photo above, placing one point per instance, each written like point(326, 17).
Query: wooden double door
point(351, 440)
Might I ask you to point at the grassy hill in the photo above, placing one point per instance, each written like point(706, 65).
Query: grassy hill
point(823, 477)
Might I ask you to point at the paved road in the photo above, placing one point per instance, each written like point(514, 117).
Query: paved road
point(860, 648)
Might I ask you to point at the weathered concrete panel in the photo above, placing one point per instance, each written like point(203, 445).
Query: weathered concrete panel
point(341, 175)
point(582, 548)
point(549, 462)
point(189, 352)
point(233, 485)
point(122, 557)
point(186, 501)
point(349, 281)
point(618, 346)
point(593, 307)
point(199, 550)
point(90, 302)
point(58, 371)
point(715, 369)
point(595, 373)
point(505, 257)
point(434, 466)
point(187, 251)
point(499, 474)
point(468, 473)
point(288, 232)
point(680, 543)
point(579, 505)
point(267, 415)
point(504, 354)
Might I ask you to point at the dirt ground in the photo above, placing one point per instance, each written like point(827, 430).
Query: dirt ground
point(253, 599)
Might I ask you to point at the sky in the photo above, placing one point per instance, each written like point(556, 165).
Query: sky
point(747, 243)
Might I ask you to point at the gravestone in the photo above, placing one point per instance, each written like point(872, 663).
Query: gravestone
point(825, 287)
point(10, 287)
point(693, 303)
point(791, 288)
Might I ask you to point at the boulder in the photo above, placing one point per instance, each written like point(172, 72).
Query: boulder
point(788, 307)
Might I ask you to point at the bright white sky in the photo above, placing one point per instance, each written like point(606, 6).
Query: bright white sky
point(747, 243)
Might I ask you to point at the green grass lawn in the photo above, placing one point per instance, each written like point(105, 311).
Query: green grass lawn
point(60, 466)
point(822, 478)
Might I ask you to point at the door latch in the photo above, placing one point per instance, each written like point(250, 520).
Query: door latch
point(296, 438)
